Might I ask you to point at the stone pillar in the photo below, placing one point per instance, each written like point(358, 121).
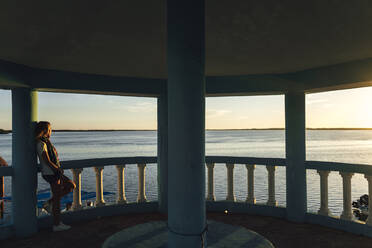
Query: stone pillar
point(230, 183)
point(99, 187)
point(121, 185)
point(24, 180)
point(323, 193)
point(369, 179)
point(250, 183)
point(295, 156)
point(211, 196)
point(186, 123)
point(163, 153)
point(76, 176)
point(141, 183)
point(271, 185)
point(347, 213)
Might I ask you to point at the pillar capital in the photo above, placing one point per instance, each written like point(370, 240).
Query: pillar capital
point(121, 166)
point(77, 170)
point(368, 177)
point(250, 166)
point(346, 175)
point(98, 169)
point(270, 168)
point(230, 166)
point(323, 173)
point(142, 166)
point(210, 165)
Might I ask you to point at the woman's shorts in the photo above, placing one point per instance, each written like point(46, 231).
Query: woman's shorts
point(52, 179)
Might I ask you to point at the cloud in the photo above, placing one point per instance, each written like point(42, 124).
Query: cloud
point(316, 101)
point(141, 107)
point(213, 113)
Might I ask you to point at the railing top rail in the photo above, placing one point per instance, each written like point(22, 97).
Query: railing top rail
point(85, 163)
point(6, 171)
point(246, 160)
point(343, 167)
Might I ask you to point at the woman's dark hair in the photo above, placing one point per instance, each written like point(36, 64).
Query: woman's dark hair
point(40, 128)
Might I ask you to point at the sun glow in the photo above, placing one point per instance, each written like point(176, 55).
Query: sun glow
point(343, 108)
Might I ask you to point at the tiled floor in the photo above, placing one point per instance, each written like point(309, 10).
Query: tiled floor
point(281, 233)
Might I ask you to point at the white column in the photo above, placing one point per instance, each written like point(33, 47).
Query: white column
point(296, 201)
point(121, 185)
point(230, 183)
point(24, 180)
point(99, 187)
point(323, 193)
point(141, 183)
point(186, 123)
point(369, 179)
point(271, 185)
point(250, 183)
point(211, 196)
point(346, 182)
point(76, 177)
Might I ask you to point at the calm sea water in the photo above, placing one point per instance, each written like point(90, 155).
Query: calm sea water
point(338, 146)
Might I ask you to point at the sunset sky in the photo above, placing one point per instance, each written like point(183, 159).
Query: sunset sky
point(343, 108)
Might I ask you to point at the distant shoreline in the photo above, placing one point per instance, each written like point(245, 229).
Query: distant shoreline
point(243, 129)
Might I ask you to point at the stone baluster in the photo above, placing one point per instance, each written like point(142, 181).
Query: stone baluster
point(323, 193)
point(141, 183)
point(230, 183)
point(369, 179)
point(76, 177)
point(99, 187)
point(271, 185)
point(250, 183)
point(211, 196)
point(346, 181)
point(121, 199)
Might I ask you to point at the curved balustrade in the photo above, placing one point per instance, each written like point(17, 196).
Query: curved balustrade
point(345, 170)
point(250, 164)
point(77, 166)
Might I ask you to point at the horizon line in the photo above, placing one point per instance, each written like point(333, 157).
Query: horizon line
point(209, 129)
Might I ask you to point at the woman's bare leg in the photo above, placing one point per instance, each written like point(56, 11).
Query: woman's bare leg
point(56, 202)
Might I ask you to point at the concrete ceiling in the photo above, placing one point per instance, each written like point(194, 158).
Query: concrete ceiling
point(128, 38)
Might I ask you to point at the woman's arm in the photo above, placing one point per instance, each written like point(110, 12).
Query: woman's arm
point(46, 158)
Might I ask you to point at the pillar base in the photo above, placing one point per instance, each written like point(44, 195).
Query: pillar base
point(272, 203)
point(324, 212)
point(211, 198)
point(121, 202)
point(251, 200)
point(156, 234)
point(100, 204)
point(181, 241)
point(347, 216)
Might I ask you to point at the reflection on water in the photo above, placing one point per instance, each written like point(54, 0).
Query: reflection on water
point(338, 146)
